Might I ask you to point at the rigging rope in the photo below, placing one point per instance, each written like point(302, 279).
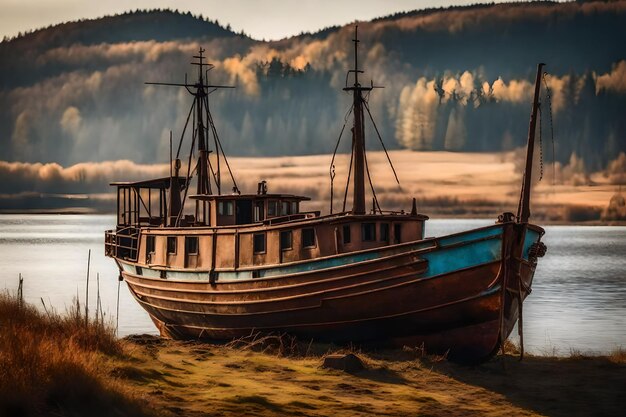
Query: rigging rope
point(549, 96)
point(219, 143)
point(370, 181)
point(367, 170)
point(117, 309)
point(382, 143)
point(345, 195)
point(180, 143)
point(540, 144)
point(217, 176)
point(332, 161)
point(188, 180)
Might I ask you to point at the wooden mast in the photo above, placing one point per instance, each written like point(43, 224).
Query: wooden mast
point(523, 212)
point(200, 90)
point(358, 135)
point(204, 184)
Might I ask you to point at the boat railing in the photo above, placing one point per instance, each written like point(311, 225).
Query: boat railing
point(291, 217)
point(122, 243)
point(395, 212)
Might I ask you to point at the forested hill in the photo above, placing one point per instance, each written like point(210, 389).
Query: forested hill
point(455, 79)
point(18, 55)
point(139, 25)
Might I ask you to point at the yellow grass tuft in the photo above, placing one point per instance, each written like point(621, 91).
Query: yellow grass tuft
point(617, 356)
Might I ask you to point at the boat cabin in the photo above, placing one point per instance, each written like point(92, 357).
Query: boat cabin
point(144, 203)
point(241, 209)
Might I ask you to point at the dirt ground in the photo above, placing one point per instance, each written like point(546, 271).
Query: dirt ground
point(194, 379)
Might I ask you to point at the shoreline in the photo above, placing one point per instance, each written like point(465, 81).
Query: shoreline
point(53, 364)
point(187, 378)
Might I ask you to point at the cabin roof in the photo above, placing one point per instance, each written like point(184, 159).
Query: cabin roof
point(159, 183)
point(249, 196)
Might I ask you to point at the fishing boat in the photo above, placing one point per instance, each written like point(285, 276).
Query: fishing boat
point(216, 265)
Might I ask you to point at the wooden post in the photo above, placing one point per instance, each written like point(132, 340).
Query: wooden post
point(117, 308)
point(87, 290)
point(20, 291)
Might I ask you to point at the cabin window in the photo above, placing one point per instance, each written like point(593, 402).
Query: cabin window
point(397, 233)
point(384, 232)
point(258, 211)
point(346, 234)
point(259, 242)
point(284, 208)
point(286, 240)
point(368, 232)
point(272, 207)
point(171, 245)
point(294, 207)
point(225, 208)
point(191, 245)
point(150, 245)
point(308, 237)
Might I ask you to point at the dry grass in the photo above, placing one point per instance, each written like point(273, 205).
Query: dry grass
point(55, 365)
point(52, 364)
point(617, 356)
point(255, 376)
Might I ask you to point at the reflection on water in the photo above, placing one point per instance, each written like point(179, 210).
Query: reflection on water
point(578, 299)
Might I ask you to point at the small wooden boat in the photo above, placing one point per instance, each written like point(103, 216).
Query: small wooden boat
point(231, 263)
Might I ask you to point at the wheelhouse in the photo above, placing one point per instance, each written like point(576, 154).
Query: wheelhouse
point(242, 209)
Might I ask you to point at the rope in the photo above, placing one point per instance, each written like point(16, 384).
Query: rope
point(520, 324)
point(208, 158)
point(332, 161)
point(345, 195)
point(219, 143)
point(332, 189)
point(549, 96)
point(367, 170)
point(182, 205)
point(381, 142)
point(180, 142)
point(117, 309)
point(540, 144)
point(370, 181)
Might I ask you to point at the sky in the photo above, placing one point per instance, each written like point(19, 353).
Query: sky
point(261, 19)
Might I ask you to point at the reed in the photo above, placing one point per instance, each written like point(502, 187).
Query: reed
point(618, 355)
point(52, 364)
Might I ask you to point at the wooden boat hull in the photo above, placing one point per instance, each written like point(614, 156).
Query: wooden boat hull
point(459, 294)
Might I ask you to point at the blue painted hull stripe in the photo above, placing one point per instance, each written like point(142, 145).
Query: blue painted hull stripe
point(480, 248)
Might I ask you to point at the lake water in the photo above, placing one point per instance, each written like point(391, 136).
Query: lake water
point(578, 300)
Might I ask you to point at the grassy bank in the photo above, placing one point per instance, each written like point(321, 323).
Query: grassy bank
point(52, 364)
point(55, 365)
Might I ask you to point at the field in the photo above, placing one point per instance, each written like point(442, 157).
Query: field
point(445, 184)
